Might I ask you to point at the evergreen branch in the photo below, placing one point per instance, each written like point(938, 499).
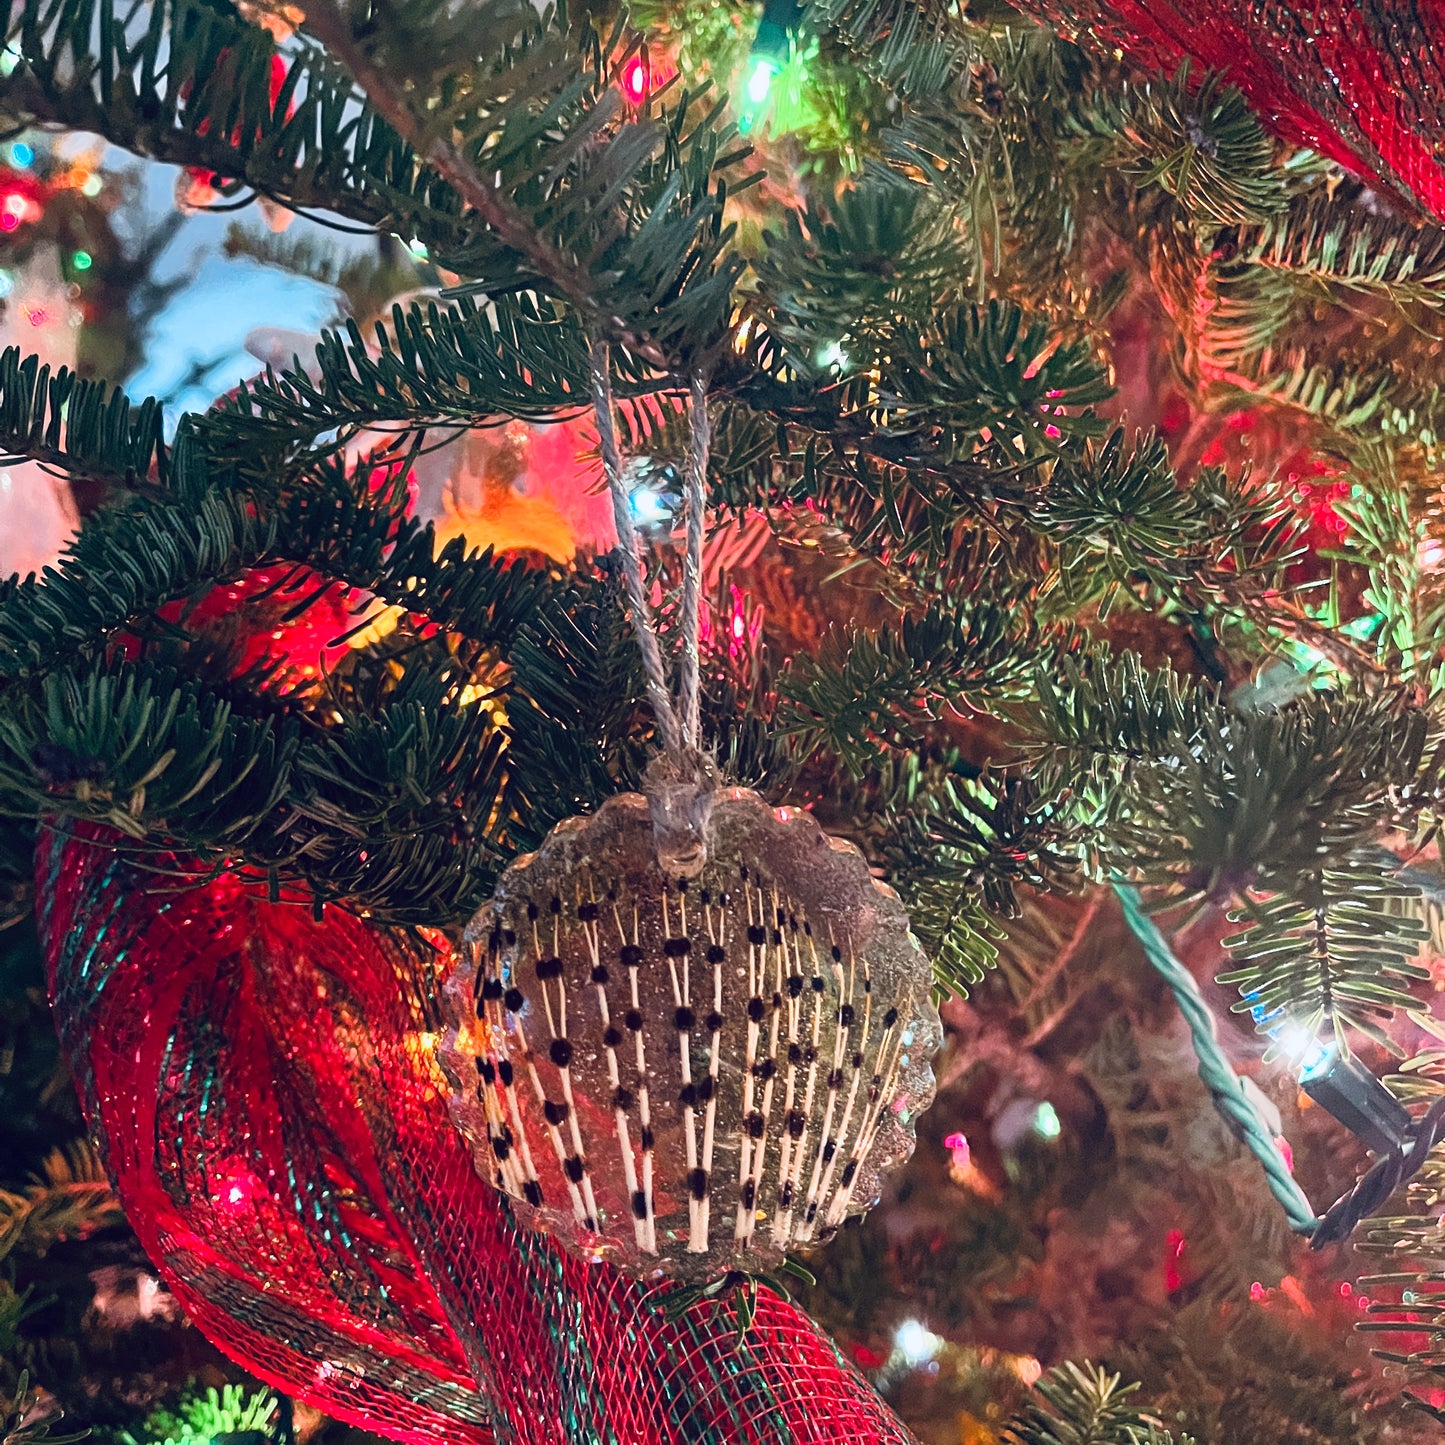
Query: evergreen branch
point(83, 428)
point(1334, 951)
point(966, 847)
point(1084, 1405)
point(575, 715)
point(1198, 139)
point(834, 284)
point(1329, 245)
point(143, 750)
point(914, 47)
point(129, 562)
point(396, 812)
point(192, 88)
point(1100, 724)
point(865, 689)
point(23, 1423)
point(1120, 518)
point(70, 1198)
point(333, 25)
point(622, 217)
point(1272, 808)
point(168, 550)
point(462, 365)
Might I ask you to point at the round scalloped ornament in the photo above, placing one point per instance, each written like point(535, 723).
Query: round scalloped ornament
point(689, 1077)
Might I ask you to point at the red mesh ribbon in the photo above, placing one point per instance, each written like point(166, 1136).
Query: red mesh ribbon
point(1361, 81)
point(272, 1116)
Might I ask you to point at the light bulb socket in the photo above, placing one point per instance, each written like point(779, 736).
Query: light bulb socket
point(1349, 1091)
point(779, 18)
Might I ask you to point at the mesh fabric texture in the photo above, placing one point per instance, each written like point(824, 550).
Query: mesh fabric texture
point(1360, 81)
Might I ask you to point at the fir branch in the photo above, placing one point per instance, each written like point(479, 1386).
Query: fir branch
point(132, 560)
point(70, 1198)
point(396, 811)
point(635, 245)
point(575, 716)
point(25, 1422)
point(333, 24)
point(1335, 951)
point(143, 750)
point(1323, 245)
point(1120, 518)
point(1099, 724)
point(862, 690)
point(558, 191)
point(458, 365)
point(966, 847)
point(834, 284)
point(1197, 138)
point(1085, 1405)
point(914, 47)
point(83, 428)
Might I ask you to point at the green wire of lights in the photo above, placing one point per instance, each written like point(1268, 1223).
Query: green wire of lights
point(1225, 1086)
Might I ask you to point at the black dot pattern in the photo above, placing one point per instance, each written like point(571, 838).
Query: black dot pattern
point(715, 1051)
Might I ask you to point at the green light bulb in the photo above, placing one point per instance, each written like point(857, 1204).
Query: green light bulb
point(760, 81)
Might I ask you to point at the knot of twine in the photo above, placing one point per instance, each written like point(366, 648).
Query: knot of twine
point(681, 782)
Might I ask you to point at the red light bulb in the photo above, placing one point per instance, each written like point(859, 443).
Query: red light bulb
point(634, 79)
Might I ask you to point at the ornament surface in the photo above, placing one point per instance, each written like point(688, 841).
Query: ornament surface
point(687, 1078)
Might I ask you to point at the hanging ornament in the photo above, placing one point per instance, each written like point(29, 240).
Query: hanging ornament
point(1357, 82)
point(691, 1032)
point(690, 1077)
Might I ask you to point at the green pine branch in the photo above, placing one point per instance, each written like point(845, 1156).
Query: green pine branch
point(1333, 952)
point(24, 1422)
point(69, 1198)
point(540, 181)
point(85, 429)
point(459, 365)
point(133, 559)
point(1085, 1405)
point(1195, 138)
point(861, 691)
point(144, 750)
point(1323, 246)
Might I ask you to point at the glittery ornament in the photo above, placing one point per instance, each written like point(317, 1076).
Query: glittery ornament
point(690, 1077)
point(265, 1087)
point(1360, 82)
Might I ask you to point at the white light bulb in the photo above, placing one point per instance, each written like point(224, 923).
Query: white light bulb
point(916, 1342)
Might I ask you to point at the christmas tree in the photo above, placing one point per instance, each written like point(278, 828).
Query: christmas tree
point(772, 462)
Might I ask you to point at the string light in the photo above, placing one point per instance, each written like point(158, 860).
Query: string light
point(82, 261)
point(916, 1342)
point(635, 80)
point(765, 60)
point(760, 80)
point(1046, 1121)
point(21, 154)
